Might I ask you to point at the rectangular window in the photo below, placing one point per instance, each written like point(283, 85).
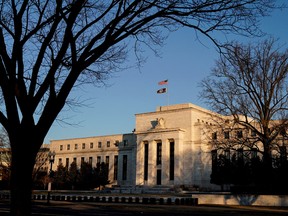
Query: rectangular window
point(60, 161)
point(240, 155)
point(253, 153)
point(67, 162)
point(76, 146)
point(125, 142)
point(90, 160)
point(239, 134)
point(83, 145)
point(99, 144)
point(159, 154)
point(75, 160)
point(98, 159)
point(82, 160)
point(158, 176)
point(172, 158)
point(107, 160)
point(116, 143)
point(226, 135)
point(91, 145)
point(253, 133)
point(214, 135)
point(115, 167)
point(146, 149)
point(61, 147)
point(227, 154)
point(214, 159)
point(124, 170)
point(68, 146)
point(108, 144)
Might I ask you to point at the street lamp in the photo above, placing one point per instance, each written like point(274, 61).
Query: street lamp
point(51, 158)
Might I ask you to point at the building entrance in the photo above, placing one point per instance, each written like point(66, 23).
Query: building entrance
point(159, 177)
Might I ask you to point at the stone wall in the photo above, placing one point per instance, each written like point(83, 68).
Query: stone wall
point(243, 199)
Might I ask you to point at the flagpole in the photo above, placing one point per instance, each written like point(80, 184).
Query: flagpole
point(164, 90)
point(167, 94)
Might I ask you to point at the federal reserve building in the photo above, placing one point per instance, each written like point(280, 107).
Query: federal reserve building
point(169, 148)
point(166, 148)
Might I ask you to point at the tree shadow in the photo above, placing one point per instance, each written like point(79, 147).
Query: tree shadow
point(246, 199)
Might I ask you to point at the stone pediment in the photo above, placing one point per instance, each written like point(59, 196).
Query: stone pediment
point(159, 126)
point(161, 130)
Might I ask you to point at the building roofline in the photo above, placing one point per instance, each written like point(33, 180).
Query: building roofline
point(175, 107)
point(90, 137)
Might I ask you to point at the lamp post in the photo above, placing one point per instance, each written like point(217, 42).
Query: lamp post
point(51, 158)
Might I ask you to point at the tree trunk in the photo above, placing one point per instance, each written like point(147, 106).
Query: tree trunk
point(23, 158)
point(268, 166)
point(267, 156)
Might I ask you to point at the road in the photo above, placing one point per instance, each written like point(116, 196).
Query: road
point(59, 208)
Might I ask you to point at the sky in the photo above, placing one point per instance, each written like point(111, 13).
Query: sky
point(184, 61)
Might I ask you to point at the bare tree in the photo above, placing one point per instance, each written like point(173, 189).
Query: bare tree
point(249, 85)
point(48, 47)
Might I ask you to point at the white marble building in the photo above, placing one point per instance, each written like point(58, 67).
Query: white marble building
point(167, 148)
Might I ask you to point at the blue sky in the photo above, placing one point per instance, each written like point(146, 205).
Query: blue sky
point(184, 62)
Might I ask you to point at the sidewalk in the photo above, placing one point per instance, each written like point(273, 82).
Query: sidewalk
point(61, 208)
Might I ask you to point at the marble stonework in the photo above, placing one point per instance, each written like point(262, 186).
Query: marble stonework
point(181, 124)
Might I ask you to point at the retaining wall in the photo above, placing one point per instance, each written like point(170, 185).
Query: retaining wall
point(116, 199)
point(243, 199)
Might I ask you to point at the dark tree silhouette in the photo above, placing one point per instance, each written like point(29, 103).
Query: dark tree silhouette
point(249, 86)
point(73, 175)
point(48, 47)
point(60, 177)
point(86, 176)
point(101, 175)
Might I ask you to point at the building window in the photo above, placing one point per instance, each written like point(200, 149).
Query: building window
point(98, 159)
point(116, 143)
point(214, 136)
point(146, 150)
point(172, 158)
point(59, 161)
point(75, 160)
point(239, 134)
point(227, 154)
point(83, 145)
point(67, 162)
point(82, 160)
point(214, 160)
point(125, 142)
point(240, 156)
point(108, 144)
point(253, 153)
point(159, 154)
point(90, 160)
point(68, 146)
point(115, 167)
point(91, 145)
point(226, 135)
point(107, 160)
point(61, 147)
point(76, 146)
point(253, 133)
point(124, 170)
point(99, 144)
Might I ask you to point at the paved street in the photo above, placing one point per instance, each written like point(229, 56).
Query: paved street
point(89, 208)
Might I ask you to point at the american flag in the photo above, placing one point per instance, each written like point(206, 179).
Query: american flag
point(164, 82)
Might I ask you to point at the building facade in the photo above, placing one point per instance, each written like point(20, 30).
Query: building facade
point(167, 148)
